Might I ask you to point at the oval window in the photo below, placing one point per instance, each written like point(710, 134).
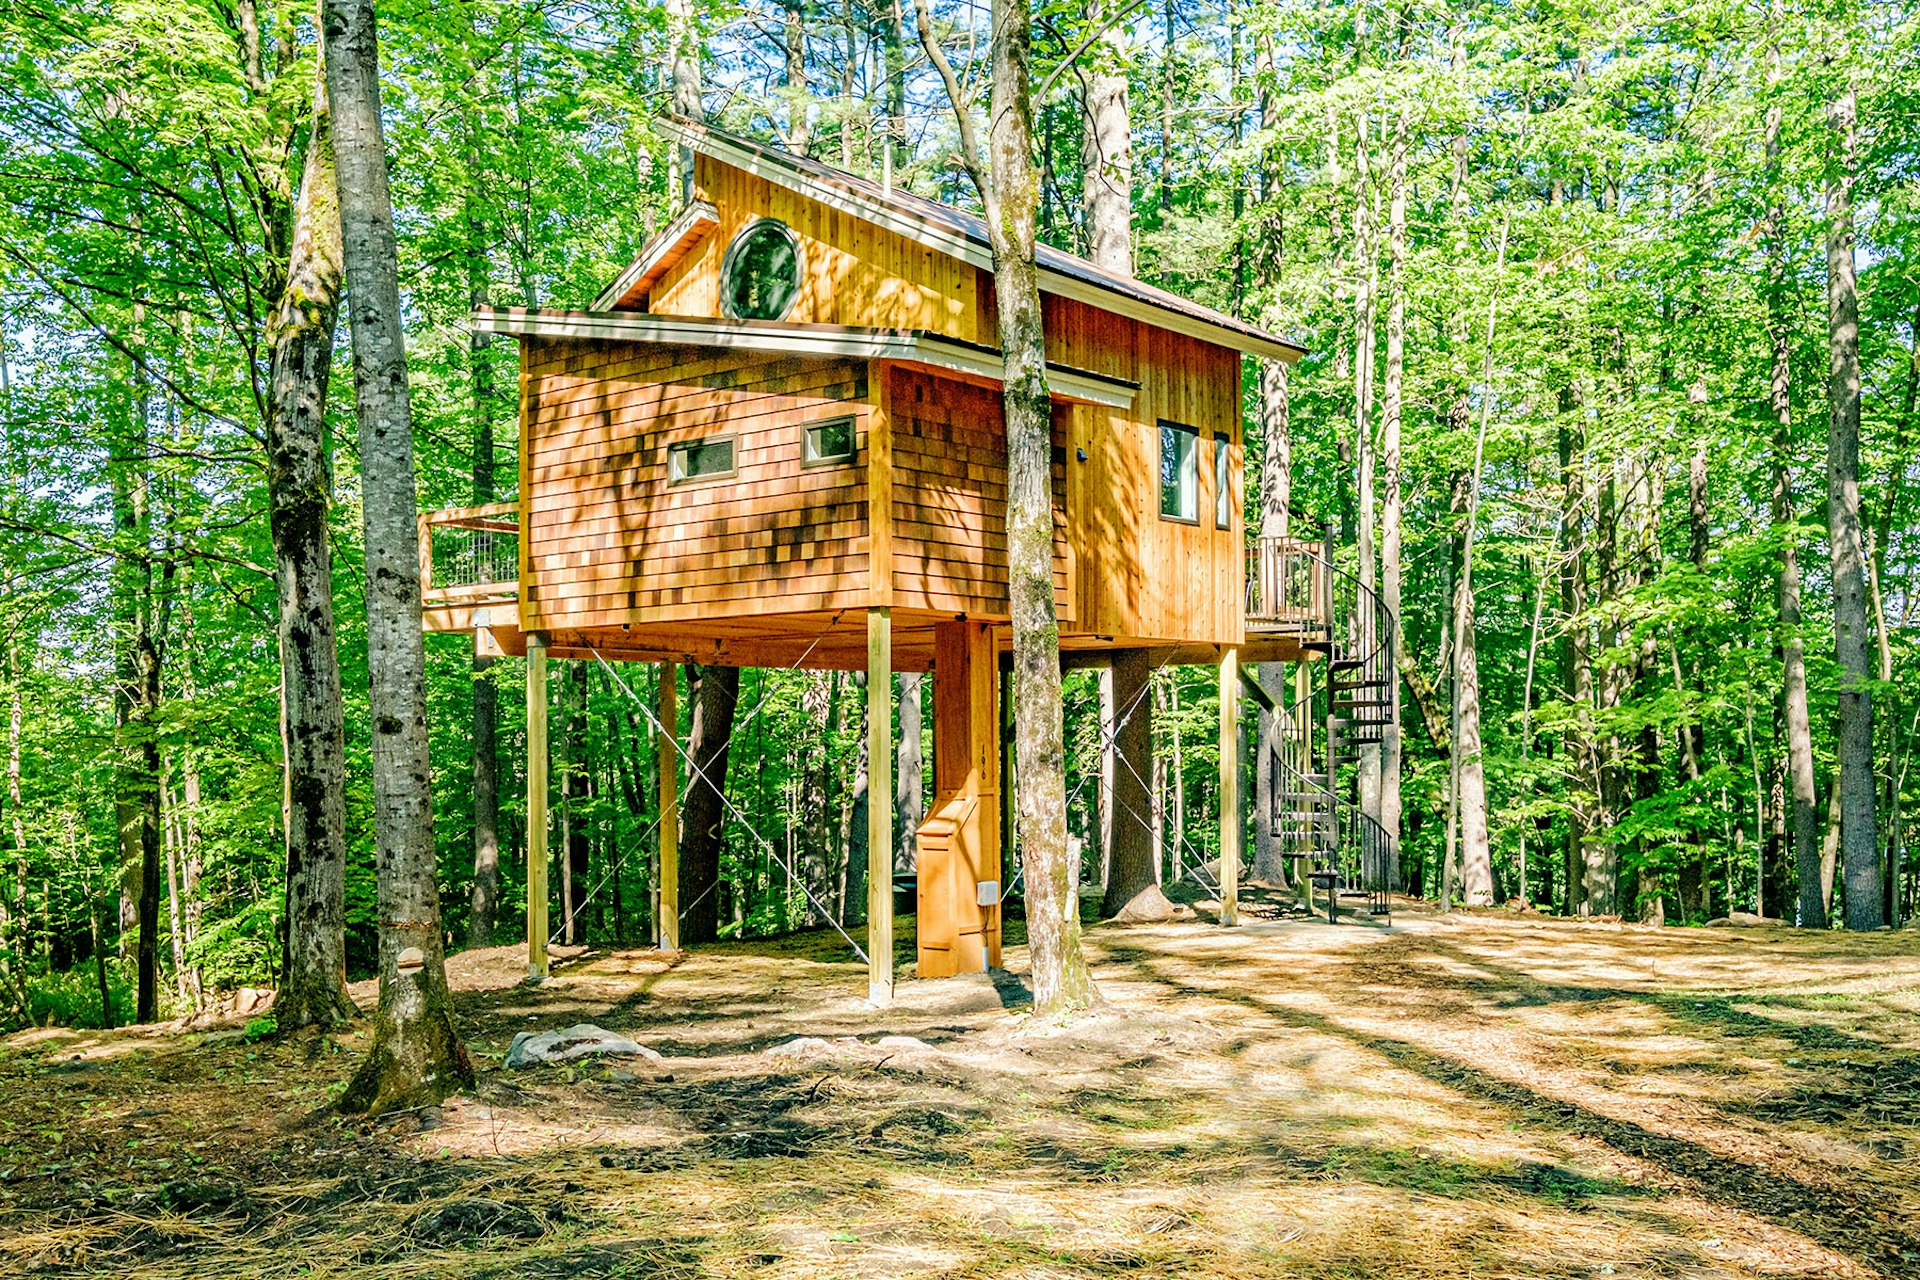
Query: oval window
point(760, 276)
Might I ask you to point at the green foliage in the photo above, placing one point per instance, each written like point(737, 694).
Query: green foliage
point(72, 998)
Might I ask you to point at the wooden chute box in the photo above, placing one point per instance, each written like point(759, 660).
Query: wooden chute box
point(952, 925)
point(957, 848)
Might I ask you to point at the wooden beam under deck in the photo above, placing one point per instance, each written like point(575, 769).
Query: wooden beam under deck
point(822, 640)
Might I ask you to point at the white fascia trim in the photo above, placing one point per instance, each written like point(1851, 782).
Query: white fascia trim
point(873, 344)
point(688, 225)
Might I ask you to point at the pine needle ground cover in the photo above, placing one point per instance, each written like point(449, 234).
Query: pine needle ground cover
point(1468, 1095)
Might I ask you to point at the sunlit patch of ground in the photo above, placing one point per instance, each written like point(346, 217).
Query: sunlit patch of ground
point(1486, 1095)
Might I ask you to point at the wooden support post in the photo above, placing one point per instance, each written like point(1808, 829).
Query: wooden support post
point(957, 849)
point(880, 805)
point(1230, 787)
point(669, 715)
point(536, 805)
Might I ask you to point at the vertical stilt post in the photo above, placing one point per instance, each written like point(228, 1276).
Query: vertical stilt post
point(536, 805)
point(1230, 787)
point(880, 805)
point(669, 717)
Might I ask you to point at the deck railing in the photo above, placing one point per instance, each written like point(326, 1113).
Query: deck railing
point(469, 555)
point(1289, 585)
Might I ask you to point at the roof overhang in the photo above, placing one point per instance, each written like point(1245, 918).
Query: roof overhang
point(956, 243)
point(908, 346)
point(688, 227)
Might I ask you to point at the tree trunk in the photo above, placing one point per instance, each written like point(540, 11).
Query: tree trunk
point(1805, 824)
point(794, 45)
point(703, 821)
point(1276, 495)
point(1364, 282)
point(1576, 647)
point(484, 904)
point(137, 695)
point(853, 828)
point(821, 700)
point(909, 782)
point(1106, 151)
point(1061, 982)
point(1390, 513)
point(1130, 870)
point(1859, 839)
point(415, 1057)
point(576, 798)
point(687, 101)
point(313, 991)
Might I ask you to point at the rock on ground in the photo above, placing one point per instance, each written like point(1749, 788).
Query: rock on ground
point(583, 1040)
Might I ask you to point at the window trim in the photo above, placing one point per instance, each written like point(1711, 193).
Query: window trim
point(846, 459)
point(678, 448)
point(732, 256)
point(1166, 425)
point(1222, 481)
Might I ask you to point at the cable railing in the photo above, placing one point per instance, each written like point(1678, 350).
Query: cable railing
point(470, 554)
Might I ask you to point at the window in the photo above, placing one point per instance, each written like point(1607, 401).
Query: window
point(1179, 472)
point(760, 276)
point(700, 459)
point(827, 443)
point(1222, 484)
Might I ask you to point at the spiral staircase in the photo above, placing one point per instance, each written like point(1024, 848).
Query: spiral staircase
point(1294, 586)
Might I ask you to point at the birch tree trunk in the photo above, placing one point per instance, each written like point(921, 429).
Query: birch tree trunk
point(1364, 282)
point(313, 991)
point(416, 1057)
point(1859, 839)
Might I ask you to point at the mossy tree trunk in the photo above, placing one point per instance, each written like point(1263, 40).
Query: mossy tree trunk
point(313, 991)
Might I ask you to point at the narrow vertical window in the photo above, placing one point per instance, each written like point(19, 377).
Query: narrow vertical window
point(1179, 472)
point(1222, 483)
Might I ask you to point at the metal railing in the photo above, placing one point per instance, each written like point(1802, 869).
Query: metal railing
point(1311, 820)
point(470, 554)
point(1289, 585)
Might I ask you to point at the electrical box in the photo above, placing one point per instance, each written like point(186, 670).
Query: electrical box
point(987, 893)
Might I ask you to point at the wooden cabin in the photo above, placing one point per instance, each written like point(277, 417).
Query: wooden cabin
point(777, 440)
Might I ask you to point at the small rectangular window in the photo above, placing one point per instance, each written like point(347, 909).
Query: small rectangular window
point(700, 459)
point(828, 443)
point(1222, 483)
point(1179, 472)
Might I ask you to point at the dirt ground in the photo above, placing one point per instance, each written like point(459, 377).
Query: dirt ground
point(1487, 1095)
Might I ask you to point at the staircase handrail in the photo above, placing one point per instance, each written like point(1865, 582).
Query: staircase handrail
point(1362, 848)
point(1371, 625)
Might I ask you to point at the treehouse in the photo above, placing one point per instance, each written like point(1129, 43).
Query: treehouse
point(776, 440)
